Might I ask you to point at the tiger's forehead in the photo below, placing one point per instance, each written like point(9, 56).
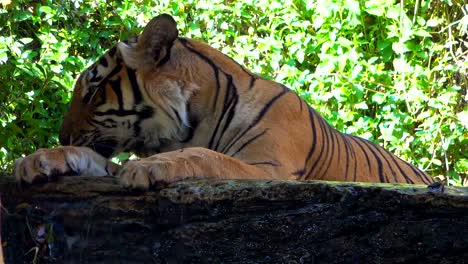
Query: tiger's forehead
point(106, 66)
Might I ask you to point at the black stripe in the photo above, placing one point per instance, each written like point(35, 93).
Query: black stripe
point(394, 158)
point(426, 178)
point(90, 94)
point(384, 154)
point(415, 170)
point(101, 86)
point(103, 61)
point(107, 169)
point(230, 117)
point(314, 135)
point(177, 115)
point(89, 121)
point(325, 146)
point(248, 142)
point(108, 123)
point(230, 108)
point(116, 112)
point(112, 51)
point(165, 112)
point(419, 173)
point(300, 100)
point(339, 144)
point(353, 153)
point(331, 151)
point(349, 152)
point(239, 65)
point(103, 98)
point(94, 77)
point(298, 173)
point(126, 143)
point(318, 159)
point(379, 162)
point(210, 62)
point(257, 119)
point(79, 141)
point(116, 87)
point(167, 56)
point(313, 144)
point(137, 97)
point(116, 70)
point(382, 176)
point(145, 113)
point(252, 82)
point(363, 151)
point(272, 163)
point(223, 112)
point(337, 156)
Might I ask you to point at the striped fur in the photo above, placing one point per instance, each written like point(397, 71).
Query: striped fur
point(193, 112)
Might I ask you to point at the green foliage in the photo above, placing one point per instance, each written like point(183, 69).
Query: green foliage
point(392, 72)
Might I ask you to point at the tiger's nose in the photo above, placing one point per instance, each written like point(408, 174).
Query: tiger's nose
point(65, 139)
point(65, 134)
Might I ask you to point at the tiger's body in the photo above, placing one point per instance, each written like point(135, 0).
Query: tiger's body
point(192, 112)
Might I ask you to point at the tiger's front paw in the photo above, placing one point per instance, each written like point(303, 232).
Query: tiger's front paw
point(42, 166)
point(145, 173)
point(48, 164)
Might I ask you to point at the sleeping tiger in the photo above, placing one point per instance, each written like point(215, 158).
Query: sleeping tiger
point(189, 111)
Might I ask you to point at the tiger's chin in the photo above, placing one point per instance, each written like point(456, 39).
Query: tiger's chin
point(106, 152)
point(141, 149)
point(106, 149)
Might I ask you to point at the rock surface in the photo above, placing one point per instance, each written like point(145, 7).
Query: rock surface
point(93, 220)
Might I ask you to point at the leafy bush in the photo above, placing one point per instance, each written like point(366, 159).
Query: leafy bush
point(394, 73)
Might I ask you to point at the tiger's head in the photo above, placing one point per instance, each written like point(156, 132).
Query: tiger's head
point(133, 98)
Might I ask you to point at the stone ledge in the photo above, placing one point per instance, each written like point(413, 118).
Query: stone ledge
point(93, 220)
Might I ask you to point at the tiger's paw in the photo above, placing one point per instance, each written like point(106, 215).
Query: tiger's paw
point(42, 166)
point(46, 165)
point(145, 173)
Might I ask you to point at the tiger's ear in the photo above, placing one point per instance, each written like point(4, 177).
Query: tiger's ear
point(153, 45)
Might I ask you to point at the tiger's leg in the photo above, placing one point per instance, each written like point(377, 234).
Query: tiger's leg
point(186, 163)
point(47, 164)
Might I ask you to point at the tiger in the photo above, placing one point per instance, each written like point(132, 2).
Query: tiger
point(188, 111)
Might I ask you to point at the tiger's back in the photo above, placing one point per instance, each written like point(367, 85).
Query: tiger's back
point(264, 123)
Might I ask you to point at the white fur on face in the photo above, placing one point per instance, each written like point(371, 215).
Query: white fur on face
point(171, 120)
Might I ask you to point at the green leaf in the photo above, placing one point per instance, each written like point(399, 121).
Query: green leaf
point(3, 56)
point(45, 9)
point(378, 98)
point(463, 118)
point(361, 105)
point(376, 11)
point(433, 22)
point(422, 33)
point(393, 12)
